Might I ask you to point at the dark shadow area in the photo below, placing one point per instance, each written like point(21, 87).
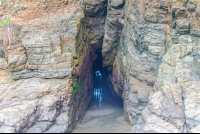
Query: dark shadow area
point(102, 93)
point(103, 96)
point(105, 112)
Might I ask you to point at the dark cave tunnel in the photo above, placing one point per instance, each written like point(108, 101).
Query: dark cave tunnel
point(105, 106)
point(103, 92)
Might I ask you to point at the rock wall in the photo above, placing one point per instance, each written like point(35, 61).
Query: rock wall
point(44, 53)
point(38, 67)
point(173, 106)
point(95, 12)
point(156, 67)
point(113, 29)
point(149, 48)
point(141, 48)
point(156, 70)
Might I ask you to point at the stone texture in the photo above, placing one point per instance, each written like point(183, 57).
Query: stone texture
point(1, 49)
point(191, 6)
point(32, 100)
point(5, 73)
point(37, 54)
point(39, 127)
point(62, 119)
point(141, 48)
point(150, 49)
point(5, 129)
point(156, 70)
point(45, 53)
point(182, 26)
point(171, 104)
point(57, 129)
point(113, 29)
point(95, 21)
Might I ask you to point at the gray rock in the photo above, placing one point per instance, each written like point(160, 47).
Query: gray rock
point(2, 54)
point(62, 119)
point(151, 16)
point(191, 6)
point(57, 129)
point(116, 3)
point(182, 26)
point(5, 129)
point(113, 29)
point(39, 127)
point(45, 53)
point(143, 95)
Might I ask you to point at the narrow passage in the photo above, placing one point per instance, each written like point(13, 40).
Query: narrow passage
point(105, 113)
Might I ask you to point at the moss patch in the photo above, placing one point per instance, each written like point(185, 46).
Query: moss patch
point(76, 62)
point(77, 86)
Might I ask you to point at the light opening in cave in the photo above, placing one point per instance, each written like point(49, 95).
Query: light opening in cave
point(103, 91)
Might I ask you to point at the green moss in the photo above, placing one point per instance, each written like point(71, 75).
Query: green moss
point(76, 62)
point(181, 1)
point(4, 21)
point(77, 86)
point(75, 56)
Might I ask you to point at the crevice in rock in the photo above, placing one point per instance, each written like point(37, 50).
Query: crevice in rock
point(89, 47)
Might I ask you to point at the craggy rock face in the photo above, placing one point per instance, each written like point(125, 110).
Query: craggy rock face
point(172, 106)
point(37, 53)
point(142, 46)
point(35, 100)
point(157, 67)
point(113, 29)
point(149, 47)
point(45, 53)
point(95, 12)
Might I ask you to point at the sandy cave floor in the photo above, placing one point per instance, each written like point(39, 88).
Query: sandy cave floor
point(104, 114)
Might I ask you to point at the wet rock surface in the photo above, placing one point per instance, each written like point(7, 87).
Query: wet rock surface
point(108, 119)
point(104, 114)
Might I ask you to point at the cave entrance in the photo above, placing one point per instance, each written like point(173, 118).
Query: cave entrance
point(103, 94)
point(105, 111)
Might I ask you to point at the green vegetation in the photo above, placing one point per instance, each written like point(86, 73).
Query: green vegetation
point(4, 21)
point(75, 59)
point(181, 1)
point(4, 1)
point(76, 62)
point(77, 86)
point(75, 56)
